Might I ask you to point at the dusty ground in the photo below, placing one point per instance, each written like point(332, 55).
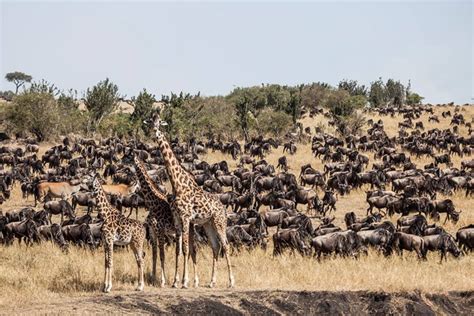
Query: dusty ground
point(41, 279)
point(224, 302)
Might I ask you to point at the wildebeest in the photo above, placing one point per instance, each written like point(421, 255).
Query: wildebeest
point(402, 241)
point(443, 242)
point(61, 207)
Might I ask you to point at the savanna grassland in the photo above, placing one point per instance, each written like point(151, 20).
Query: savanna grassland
point(42, 274)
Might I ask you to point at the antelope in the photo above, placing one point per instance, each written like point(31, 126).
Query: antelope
point(62, 190)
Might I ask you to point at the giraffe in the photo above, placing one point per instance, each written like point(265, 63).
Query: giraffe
point(161, 223)
point(118, 230)
point(195, 206)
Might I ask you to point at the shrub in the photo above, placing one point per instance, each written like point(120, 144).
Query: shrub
point(274, 123)
point(41, 115)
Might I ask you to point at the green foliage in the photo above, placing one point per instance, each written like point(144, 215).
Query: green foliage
point(294, 104)
point(18, 78)
point(201, 117)
point(377, 93)
point(353, 87)
point(101, 101)
point(68, 100)
point(40, 114)
point(143, 109)
point(414, 99)
point(350, 125)
point(177, 100)
point(117, 124)
point(44, 86)
point(315, 95)
point(7, 95)
point(394, 92)
point(274, 123)
point(341, 103)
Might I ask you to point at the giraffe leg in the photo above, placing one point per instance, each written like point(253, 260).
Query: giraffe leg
point(221, 232)
point(162, 261)
point(137, 248)
point(193, 253)
point(185, 242)
point(179, 239)
point(213, 239)
point(154, 253)
point(109, 250)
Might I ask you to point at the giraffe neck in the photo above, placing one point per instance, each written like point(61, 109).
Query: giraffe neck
point(103, 204)
point(150, 192)
point(179, 178)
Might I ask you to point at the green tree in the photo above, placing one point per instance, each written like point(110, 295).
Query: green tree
point(242, 108)
point(18, 78)
point(412, 98)
point(341, 103)
point(274, 123)
point(44, 86)
point(143, 109)
point(377, 93)
point(40, 114)
point(101, 101)
point(294, 105)
point(315, 95)
point(353, 87)
point(394, 92)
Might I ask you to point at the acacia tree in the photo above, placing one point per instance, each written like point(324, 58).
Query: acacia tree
point(101, 101)
point(18, 78)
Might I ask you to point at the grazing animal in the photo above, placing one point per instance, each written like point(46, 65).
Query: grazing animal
point(61, 190)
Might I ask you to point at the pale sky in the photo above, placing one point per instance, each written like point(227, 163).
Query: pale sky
point(212, 47)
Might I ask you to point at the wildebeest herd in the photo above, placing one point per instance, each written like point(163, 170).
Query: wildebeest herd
point(260, 200)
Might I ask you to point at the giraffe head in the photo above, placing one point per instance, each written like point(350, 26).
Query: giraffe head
point(157, 126)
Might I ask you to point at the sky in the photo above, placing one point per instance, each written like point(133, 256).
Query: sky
point(213, 47)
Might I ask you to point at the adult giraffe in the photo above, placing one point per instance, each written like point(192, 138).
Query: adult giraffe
point(195, 206)
point(161, 223)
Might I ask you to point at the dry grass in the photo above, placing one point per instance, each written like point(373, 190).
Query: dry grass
point(42, 273)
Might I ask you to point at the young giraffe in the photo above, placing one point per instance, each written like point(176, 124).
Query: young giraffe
point(193, 205)
point(118, 230)
point(160, 221)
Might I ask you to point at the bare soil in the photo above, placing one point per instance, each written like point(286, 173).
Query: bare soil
point(265, 302)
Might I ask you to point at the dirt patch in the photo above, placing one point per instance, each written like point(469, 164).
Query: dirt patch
point(224, 302)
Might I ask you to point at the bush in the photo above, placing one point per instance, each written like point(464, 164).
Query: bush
point(118, 124)
point(100, 101)
point(341, 103)
point(41, 115)
point(201, 117)
point(273, 123)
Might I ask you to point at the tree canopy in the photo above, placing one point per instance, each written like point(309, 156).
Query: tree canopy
point(18, 78)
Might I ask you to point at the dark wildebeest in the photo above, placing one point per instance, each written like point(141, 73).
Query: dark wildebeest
point(402, 241)
point(53, 233)
point(444, 243)
point(59, 207)
point(328, 244)
point(25, 229)
point(289, 238)
point(238, 237)
point(83, 199)
point(465, 237)
point(78, 234)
